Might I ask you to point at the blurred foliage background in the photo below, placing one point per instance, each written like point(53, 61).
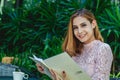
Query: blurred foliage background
point(38, 27)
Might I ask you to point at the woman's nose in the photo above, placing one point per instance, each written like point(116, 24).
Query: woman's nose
point(79, 30)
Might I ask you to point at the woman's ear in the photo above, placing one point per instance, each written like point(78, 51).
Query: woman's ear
point(94, 23)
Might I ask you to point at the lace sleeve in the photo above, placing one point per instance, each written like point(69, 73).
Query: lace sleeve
point(103, 63)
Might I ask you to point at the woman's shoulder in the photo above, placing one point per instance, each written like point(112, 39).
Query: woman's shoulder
point(101, 44)
point(104, 48)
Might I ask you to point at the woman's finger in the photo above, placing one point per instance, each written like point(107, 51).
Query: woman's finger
point(63, 74)
point(40, 68)
point(55, 75)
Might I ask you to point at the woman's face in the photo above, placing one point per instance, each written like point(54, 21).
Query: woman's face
point(83, 29)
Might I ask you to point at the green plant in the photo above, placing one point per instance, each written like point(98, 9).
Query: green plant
point(2, 55)
point(110, 29)
point(115, 75)
point(39, 26)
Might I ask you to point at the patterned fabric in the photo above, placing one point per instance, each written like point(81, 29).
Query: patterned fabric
point(96, 60)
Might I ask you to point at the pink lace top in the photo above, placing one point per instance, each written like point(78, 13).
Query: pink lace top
point(96, 60)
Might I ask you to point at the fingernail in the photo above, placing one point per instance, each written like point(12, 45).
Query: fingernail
point(63, 72)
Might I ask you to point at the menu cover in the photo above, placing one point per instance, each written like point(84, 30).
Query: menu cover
point(63, 62)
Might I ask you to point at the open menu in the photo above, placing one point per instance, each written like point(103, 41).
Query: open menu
point(42, 63)
point(62, 62)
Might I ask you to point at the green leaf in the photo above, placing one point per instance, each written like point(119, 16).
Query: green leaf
point(117, 33)
point(109, 31)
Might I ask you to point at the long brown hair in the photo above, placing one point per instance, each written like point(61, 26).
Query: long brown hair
point(71, 44)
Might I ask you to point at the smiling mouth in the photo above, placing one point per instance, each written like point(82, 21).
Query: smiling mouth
point(82, 36)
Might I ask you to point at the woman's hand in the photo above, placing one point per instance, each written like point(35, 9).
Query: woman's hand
point(56, 76)
point(40, 68)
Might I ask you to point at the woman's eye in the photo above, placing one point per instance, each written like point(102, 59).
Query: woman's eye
point(74, 27)
point(83, 25)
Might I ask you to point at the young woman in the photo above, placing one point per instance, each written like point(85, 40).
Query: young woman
point(85, 45)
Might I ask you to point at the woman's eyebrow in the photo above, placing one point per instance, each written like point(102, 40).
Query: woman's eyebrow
point(74, 25)
point(82, 23)
point(79, 24)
